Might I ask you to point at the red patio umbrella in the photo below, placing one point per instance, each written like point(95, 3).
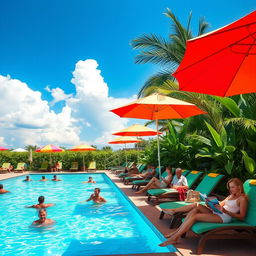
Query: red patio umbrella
point(3, 149)
point(222, 62)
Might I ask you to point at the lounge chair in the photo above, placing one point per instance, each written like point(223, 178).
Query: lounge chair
point(21, 167)
point(206, 186)
point(128, 165)
point(245, 229)
point(5, 167)
point(132, 178)
point(44, 166)
point(92, 166)
point(192, 177)
point(113, 168)
point(124, 174)
point(74, 166)
point(138, 183)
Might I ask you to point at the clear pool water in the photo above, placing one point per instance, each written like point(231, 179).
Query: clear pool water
point(81, 228)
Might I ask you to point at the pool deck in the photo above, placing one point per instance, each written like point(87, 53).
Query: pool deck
point(186, 246)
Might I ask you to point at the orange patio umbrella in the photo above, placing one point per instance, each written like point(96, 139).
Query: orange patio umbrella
point(222, 62)
point(157, 106)
point(81, 148)
point(124, 140)
point(49, 149)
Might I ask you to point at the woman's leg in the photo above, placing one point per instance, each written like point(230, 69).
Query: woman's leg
point(191, 209)
point(188, 223)
point(148, 186)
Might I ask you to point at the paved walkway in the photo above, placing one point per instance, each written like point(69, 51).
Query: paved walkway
point(186, 247)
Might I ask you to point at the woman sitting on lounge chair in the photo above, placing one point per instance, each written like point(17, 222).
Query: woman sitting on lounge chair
point(156, 183)
point(234, 206)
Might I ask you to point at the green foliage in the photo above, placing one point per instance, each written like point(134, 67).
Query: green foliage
point(103, 158)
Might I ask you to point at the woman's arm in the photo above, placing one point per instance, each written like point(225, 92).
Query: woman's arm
point(168, 180)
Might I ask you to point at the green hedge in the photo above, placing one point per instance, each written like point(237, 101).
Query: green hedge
point(103, 158)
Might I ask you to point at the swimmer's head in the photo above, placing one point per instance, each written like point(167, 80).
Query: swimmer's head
point(41, 199)
point(97, 191)
point(54, 176)
point(90, 178)
point(42, 214)
point(1, 186)
point(27, 177)
point(43, 177)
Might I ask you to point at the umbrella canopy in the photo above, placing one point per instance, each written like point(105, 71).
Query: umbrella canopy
point(222, 62)
point(19, 150)
point(49, 149)
point(83, 147)
point(137, 130)
point(124, 140)
point(3, 149)
point(157, 106)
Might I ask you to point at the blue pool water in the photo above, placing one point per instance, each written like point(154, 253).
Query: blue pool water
point(81, 228)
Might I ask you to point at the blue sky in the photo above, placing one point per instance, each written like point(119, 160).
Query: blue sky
point(42, 41)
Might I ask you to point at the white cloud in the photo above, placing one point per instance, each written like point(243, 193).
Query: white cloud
point(92, 102)
point(58, 95)
point(27, 119)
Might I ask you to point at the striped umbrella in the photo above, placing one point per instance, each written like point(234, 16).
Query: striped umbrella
point(50, 149)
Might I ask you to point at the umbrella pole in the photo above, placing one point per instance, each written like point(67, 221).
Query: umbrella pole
point(83, 164)
point(125, 153)
point(158, 149)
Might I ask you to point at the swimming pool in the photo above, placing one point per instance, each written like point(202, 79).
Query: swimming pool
point(81, 228)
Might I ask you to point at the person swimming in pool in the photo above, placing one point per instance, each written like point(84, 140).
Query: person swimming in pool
point(41, 204)
point(90, 180)
point(96, 197)
point(55, 178)
point(2, 190)
point(43, 179)
point(43, 221)
point(27, 179)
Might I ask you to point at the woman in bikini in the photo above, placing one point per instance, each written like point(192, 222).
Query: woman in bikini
point(234, 206)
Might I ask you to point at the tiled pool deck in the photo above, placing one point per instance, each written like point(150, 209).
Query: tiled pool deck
point(186, 246)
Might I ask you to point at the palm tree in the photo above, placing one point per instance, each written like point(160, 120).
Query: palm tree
point(169, 53)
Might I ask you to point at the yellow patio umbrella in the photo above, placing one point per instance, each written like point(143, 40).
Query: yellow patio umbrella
point(81, 148)
point(124, 140)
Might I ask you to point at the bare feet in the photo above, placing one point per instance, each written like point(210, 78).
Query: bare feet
point(171, 234)
point(168, 241)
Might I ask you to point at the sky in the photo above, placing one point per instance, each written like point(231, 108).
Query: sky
point(65, 63)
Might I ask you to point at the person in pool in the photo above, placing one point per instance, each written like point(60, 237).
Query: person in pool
point(43, 179)
point(90, 180)
point(234, 206)
point(41, 204)
point(27, 179)
point(43, 221)
point(96, 197)
point(2, 190)
point(55, 178)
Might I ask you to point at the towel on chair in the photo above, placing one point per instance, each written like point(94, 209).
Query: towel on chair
point(182, 193)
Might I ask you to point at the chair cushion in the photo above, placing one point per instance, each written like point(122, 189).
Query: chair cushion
point(201, 227)
point(159, 191)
